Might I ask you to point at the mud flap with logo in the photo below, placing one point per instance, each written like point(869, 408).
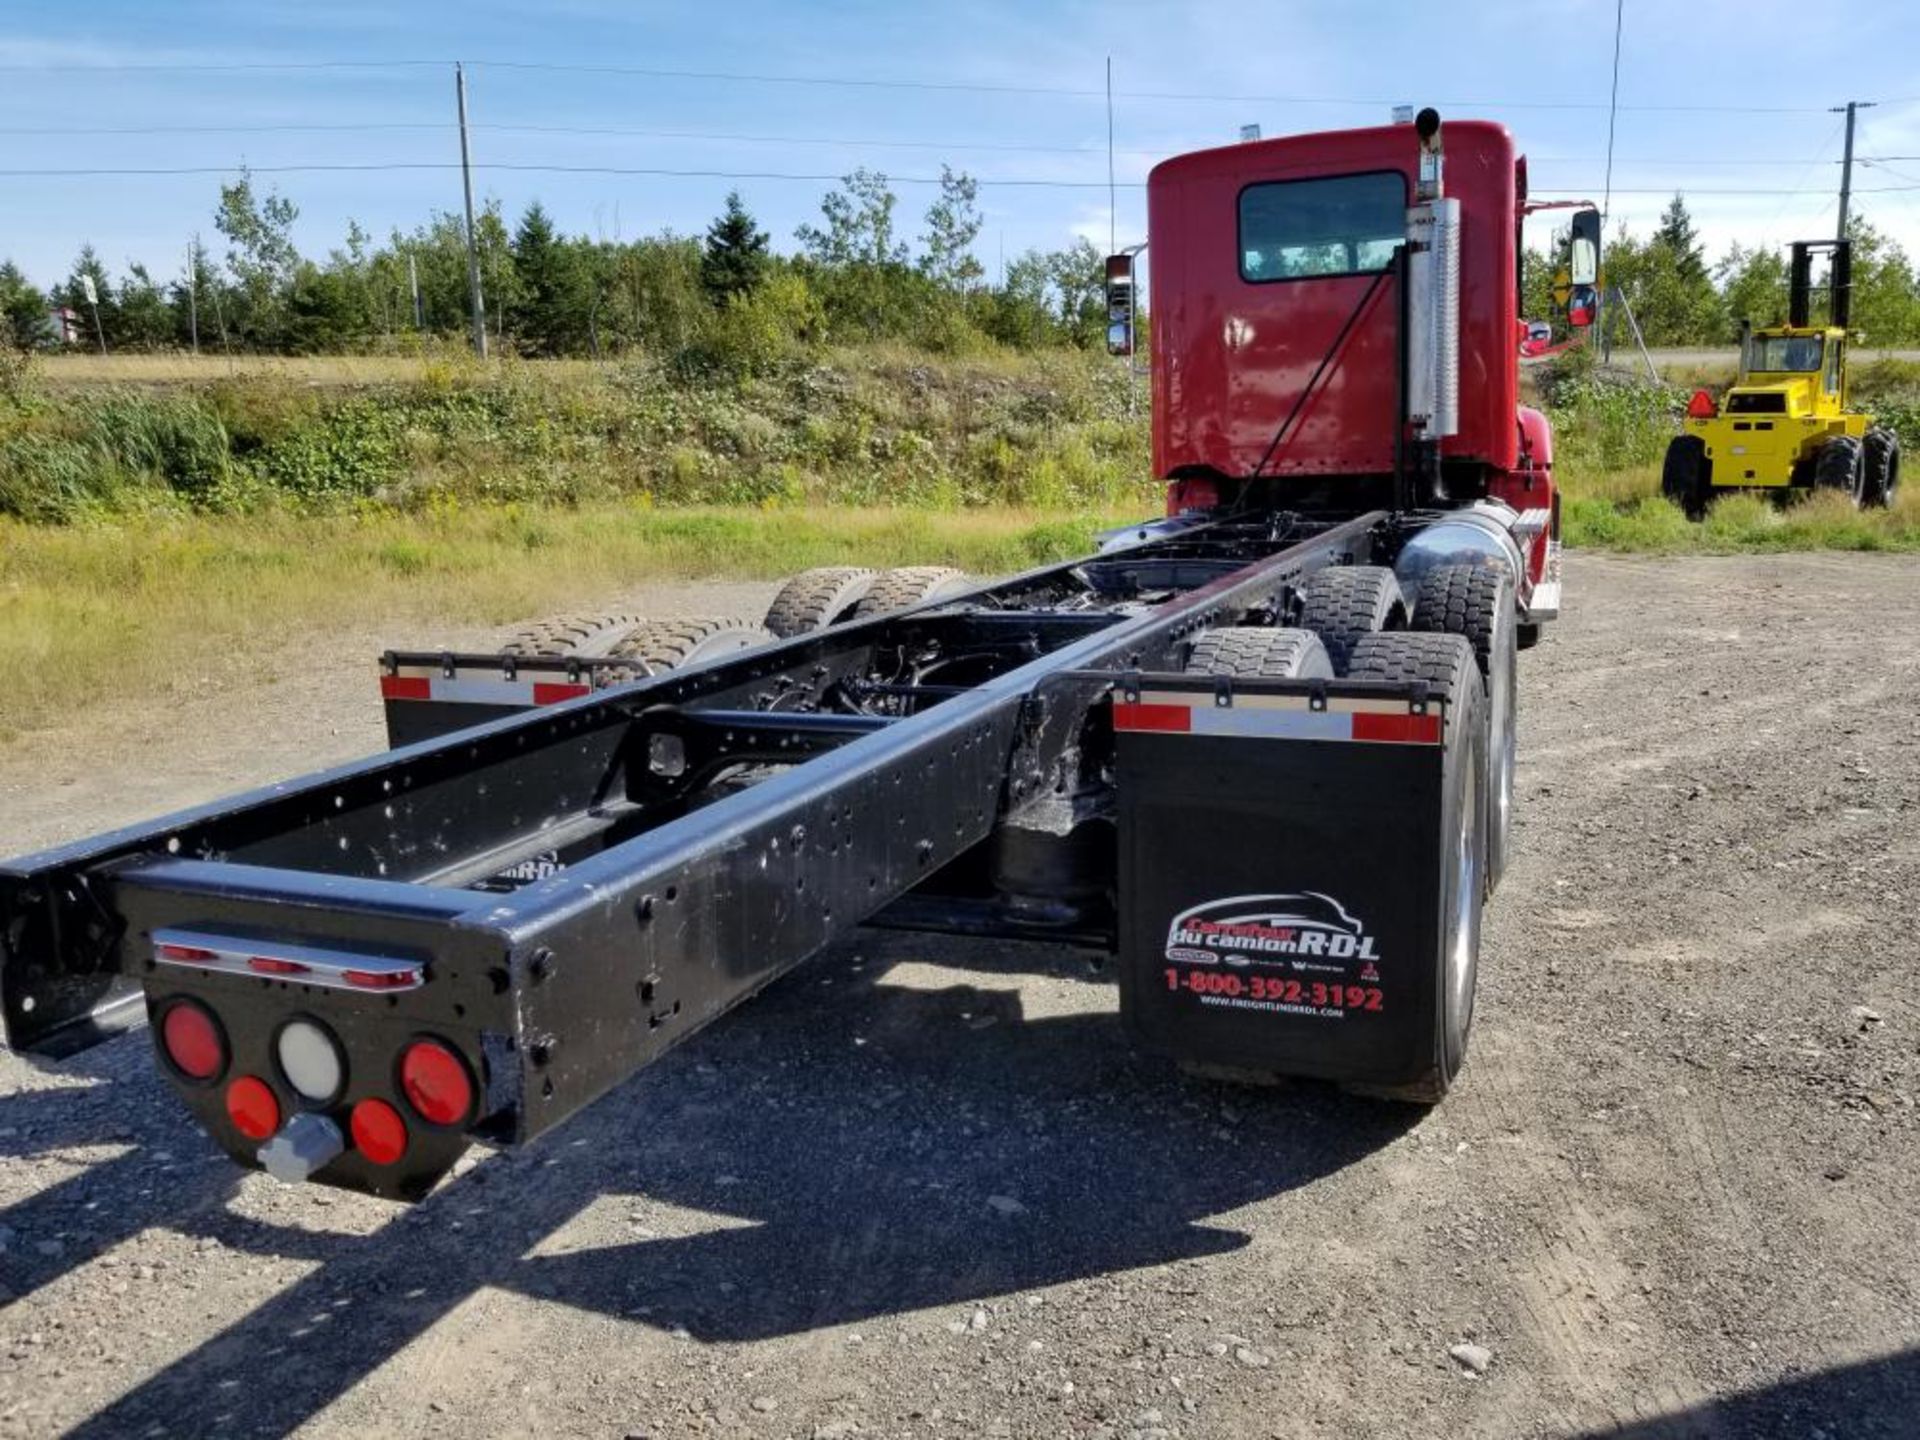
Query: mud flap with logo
point(1280, 882)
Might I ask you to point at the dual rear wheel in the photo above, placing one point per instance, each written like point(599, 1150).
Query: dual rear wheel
point(1460, 639)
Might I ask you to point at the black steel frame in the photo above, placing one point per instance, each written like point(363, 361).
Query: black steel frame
point(685, 889)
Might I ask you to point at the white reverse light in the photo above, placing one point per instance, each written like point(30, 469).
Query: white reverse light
point(310, 1060)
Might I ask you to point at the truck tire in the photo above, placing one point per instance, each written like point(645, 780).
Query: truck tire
point(657, 645)
point(1344, 602)
point(1259, 653)
point(1839, 465)
point(1881, 460)
point(1446, 663)
point(582, 635)
point(815, 599)
point(1477, 603)
point(1686, 476)
point(911, 585)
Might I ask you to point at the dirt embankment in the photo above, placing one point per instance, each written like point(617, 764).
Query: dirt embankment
point(923, 1188)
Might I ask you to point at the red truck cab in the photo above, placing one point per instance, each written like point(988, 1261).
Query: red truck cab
point(1288, 287)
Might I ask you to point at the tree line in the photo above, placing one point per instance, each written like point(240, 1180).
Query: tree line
point(1681, 298)
point(854, 276)
point(728, 298)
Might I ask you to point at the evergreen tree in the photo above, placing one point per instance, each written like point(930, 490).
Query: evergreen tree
point(734, 261)
point(1677, 234)
point(71, 294)
point(143, 321)
point(555, 310)
point(23, 309)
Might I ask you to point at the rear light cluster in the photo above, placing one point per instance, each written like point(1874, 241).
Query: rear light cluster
point(436, 1087)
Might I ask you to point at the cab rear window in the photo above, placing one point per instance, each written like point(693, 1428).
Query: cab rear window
point(1336, 225)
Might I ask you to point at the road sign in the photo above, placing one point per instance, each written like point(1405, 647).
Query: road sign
point(86, 289)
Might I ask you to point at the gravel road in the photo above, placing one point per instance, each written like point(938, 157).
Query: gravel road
point(923, 1188)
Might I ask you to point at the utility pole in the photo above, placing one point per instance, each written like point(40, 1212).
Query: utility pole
point(193, 292)
point(1606, 202)
point(1846, 163)
point(413, 285)
point(473, 242)
point(1113, 242)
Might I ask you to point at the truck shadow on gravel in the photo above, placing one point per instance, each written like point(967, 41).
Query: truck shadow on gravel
point(1875, 1399)
point(844, 1149)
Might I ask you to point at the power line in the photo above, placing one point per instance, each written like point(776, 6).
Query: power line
point(846, 141)
point(707, 174)
point(875, 83)
point(671, 173)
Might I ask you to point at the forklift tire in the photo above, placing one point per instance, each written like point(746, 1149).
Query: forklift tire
point(1839, 466)
point(585, 636)
point(1882, 467)
point(1446, 663)
point(1344, 602)
point(660, 645)
point(1477, 602)
point(1258, 653)
point(1686, 477)
point(911, 585)
point(815, 599)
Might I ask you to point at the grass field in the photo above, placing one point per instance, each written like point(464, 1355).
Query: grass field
point(204, 519)
point(323, 370)
point(148, 607)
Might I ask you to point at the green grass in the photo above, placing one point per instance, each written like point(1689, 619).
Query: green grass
point(1643, 523)
point(172, 527)
point(875, 426)
point(159, 607)
point(1611, 434)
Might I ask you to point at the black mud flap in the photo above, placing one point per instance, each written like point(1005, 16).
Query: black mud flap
point(1280, 875)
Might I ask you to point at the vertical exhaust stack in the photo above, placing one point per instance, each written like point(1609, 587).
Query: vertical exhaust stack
point(1433, 279)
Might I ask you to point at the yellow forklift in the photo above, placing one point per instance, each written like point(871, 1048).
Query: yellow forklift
point(1785, 427)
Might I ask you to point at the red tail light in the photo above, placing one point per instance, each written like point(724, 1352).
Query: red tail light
point(378, 1131)
point(267, 965)
point(185, 954)
point(1701, 406)
point(436, 1083)
point(191, 1038)
point(381, 979)
point(252, 1107)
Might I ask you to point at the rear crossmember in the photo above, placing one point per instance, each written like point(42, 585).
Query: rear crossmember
point(577, 888)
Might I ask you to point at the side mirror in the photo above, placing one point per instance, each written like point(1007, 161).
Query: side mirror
point(1120, 304)
point(1583, 249)
point(1583, 304)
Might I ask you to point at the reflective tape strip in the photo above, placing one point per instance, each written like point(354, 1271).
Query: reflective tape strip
point(1281, 717)
point(480, 692)
point(303, 964)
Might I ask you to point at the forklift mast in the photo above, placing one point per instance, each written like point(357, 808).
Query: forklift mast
point(1839, 283)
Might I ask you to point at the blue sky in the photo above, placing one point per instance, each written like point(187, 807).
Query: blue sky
point(1541, 67)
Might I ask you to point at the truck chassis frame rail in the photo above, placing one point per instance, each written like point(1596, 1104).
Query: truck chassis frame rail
point(494, 926)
